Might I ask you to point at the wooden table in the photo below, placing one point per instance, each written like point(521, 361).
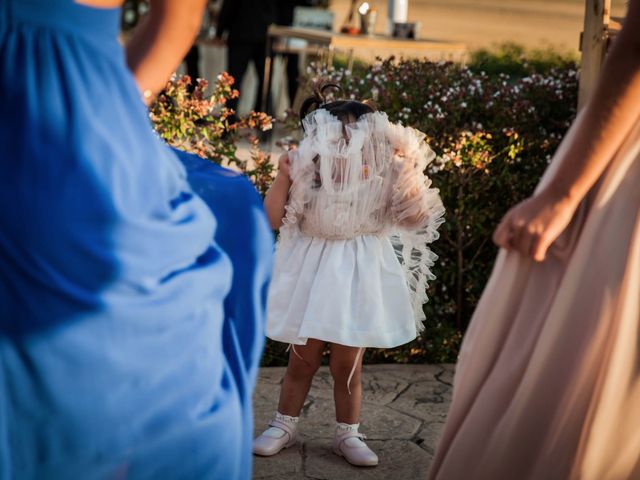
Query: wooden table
point(329, 42)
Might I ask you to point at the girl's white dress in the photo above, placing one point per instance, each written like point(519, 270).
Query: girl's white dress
point(352, 261)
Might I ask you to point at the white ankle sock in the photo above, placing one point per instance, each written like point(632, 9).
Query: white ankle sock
point(345, 427)
point(289, 420)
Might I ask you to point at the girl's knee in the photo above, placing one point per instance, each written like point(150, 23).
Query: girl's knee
point(345, 361)
point(300, 368)
point(340, 370)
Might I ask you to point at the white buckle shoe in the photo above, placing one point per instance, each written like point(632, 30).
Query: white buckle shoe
point(279, 435)
point(351, 446)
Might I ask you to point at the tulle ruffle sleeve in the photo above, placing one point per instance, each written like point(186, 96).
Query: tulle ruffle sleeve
point(416, 211)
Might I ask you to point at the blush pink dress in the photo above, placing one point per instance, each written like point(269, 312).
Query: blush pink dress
point(548, 380)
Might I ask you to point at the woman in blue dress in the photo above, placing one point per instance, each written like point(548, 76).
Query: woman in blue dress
point(129, 339)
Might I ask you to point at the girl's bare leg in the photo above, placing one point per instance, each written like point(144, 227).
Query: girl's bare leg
point(341, 363)
point(300, 372)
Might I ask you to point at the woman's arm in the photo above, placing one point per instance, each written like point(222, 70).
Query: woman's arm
point(276, 198)
point(609, 115)
point(161, 41)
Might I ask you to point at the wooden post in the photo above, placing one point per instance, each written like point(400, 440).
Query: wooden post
point(593, 45)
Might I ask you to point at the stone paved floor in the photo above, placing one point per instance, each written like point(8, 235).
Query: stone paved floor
point(403, 410)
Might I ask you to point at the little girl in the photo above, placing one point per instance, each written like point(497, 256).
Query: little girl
point(355, 213)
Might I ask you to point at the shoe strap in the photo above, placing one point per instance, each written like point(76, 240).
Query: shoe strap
point(351, 434)
point(283, 426)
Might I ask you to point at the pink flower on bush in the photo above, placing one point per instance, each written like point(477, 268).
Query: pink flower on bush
point(191, 120)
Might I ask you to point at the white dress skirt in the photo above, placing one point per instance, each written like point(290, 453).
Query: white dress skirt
point(352, 261)
point(351, 292)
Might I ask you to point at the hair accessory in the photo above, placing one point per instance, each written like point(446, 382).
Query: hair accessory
point(318, 99)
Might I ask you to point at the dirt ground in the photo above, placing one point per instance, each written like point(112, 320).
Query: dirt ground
point(482, 23)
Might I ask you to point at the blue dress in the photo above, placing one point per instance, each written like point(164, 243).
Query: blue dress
point(245, 235)
point(129, 338)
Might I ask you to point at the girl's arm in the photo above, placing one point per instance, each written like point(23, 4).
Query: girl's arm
point(161, 41)
point(608, 117)
point(276, 198)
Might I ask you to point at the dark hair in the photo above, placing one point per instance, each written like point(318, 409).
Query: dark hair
point(342, 109)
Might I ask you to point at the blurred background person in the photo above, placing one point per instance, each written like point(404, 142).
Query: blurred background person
point(285, 17)
point(194, 55)
point(242, 26)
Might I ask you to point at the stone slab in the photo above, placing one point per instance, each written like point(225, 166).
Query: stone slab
point(427, 400)
point(273, 375)
point(429, 436)
point(377, 422)
point(286, 463)
point(403, 413)
point(398, 460)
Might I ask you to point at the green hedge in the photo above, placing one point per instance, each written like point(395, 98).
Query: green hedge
point(495, 133)
point(495, 124)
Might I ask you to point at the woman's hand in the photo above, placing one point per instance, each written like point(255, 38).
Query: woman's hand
point(533, 225)
point(604, 123)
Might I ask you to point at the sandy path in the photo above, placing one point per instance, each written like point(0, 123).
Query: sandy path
point(481, 23)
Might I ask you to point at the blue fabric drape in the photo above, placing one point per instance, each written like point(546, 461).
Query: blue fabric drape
point(129, 338)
